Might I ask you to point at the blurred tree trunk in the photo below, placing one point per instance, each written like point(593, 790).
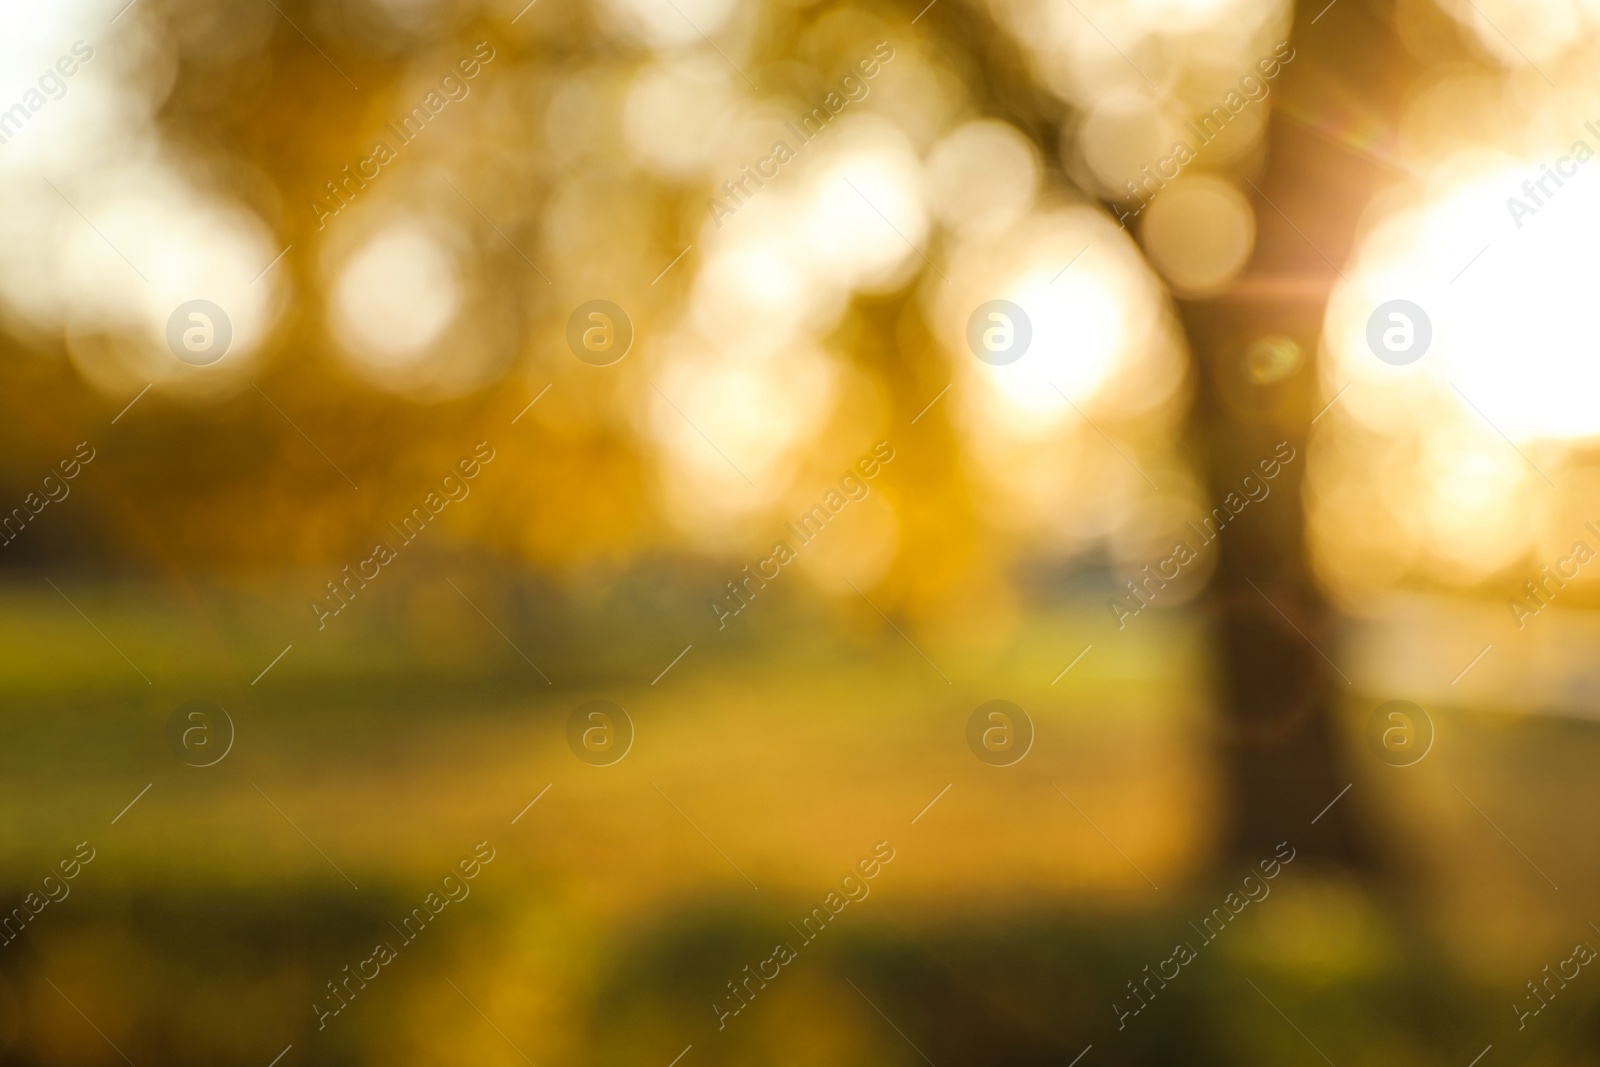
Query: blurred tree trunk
point(1275, 693)
point(1279, 686)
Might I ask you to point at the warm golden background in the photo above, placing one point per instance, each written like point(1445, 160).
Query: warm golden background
point(188, 155)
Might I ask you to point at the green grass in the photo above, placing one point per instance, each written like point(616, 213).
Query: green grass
point(1001, 933)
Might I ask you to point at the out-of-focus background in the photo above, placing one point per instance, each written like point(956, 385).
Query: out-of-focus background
point(690, 532)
